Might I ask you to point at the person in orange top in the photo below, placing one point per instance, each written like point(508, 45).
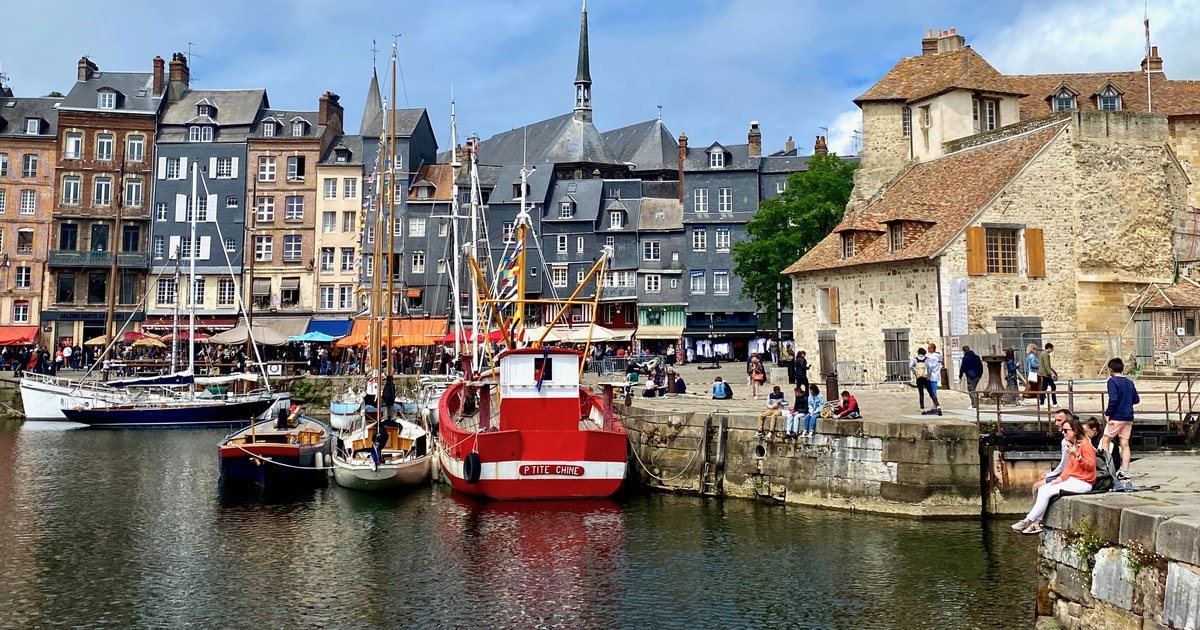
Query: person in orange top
point(1077, 477)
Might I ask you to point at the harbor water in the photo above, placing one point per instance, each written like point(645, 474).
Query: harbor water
point(130, 529)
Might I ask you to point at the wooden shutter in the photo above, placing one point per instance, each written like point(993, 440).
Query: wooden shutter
point(162, 168)
point(181, 208)
point(212, 209)
point(212, 167)
point(205, 247)
point(183, 172)
point(1035, 252)
point(174, 245)
point(976, 251)
point(234, 172)
point(834, 307)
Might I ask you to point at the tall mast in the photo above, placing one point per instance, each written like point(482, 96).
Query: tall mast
point(391, 224)
point(455, 165)
point(475, 198)
point(522, 228)
point(374, 341)
point(193, 247)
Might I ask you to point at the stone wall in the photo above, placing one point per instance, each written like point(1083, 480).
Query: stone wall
point(885, 149)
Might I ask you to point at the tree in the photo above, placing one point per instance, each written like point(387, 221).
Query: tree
point(786, 227)
point(56, 94)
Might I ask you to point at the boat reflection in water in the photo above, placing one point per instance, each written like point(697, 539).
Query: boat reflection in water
point(535, 563)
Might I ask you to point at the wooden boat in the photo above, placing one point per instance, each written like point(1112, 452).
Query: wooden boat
point(382, 456)
point(288, 452)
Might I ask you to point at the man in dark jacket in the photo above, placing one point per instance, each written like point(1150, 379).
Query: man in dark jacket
point(802, 370)
point(972, 369)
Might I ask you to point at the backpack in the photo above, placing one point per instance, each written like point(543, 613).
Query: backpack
point(1106, 472)
point(921, 370)
point(827, 410)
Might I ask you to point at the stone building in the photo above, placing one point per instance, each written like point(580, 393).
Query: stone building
point(28, 146)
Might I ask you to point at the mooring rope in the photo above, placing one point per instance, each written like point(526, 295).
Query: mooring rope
point(699, 448)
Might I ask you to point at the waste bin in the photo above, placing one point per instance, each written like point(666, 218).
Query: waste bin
point(831, 386)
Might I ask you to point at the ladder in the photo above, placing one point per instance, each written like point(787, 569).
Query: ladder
point(712, 473)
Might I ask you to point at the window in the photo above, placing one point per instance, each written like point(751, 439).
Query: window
point(3, 165)
point(185, 249)
point(579, 245)
point(65, 292)
point(926, 119)
point(699, 239)
point(295, 165)
point(200, 133)
point(443, 228)
point(266, 169)
point(104, 147)
point(166, 291)
point(780, 187)
point(699, 279)
point(508, 232)
point(564, 210)
point(25, 241)
point(725, 200)
point(291, 247)
point(610, 241)
point(106, 100)
point(716, 159)
point(345, 297)
point(558, 276)
point(29, 164)
point(226, 294)
point(349, 221)
point(329, 222)
point(224, 168)
point(828, 311)
point(71, 188)
point(418, 262)
point(326, 298)
point(651, 250)
point(653, 283)
point(268, 130)
point(264, 210)
point(133, 193)
point(422, 192)
point(28, 201)
point(231, 201)
point(21, 311)
point(848, 245)
point(416, 226)
point(160, 246)
point(326, 259)
point(442, 266)
point(720, 282)
point(616, 220)
point(74, 146)
point(985, 114)
point(33, 126)
point(230, 244)
point(896, 236)
point(331, 188)
point(174, 168)
point(102, 191)
point(700, 200)
point(198, 291)
point(289, 291)
point(131, 238)
point(579, 276)
point(371, 234)
point(160, 211)
point(722, 243)
point(294, 208)
point(24, 277)
point(298, 129)
point(906, 122)
point(1001, 247)
point(1109, 99)
point(262, 248)
point(562, 244)
point(135, 149)
point(347, 259)
point(3, 200)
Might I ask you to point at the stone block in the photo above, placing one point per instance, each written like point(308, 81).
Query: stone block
point(1056, 547)
point(779, 376)
point(929, 452)
point(1073, 585)
point(1104, 616)
point(945, 474)
point(839, 427)
point(1112, 579)
point(1148, 591)
point(1181, 601)
point(1102, 511)
point(1140, 524)
point(1179, 539)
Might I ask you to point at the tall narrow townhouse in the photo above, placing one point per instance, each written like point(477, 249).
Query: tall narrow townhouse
point(429, 269)
point(28, 145)
point(201, 151)
point(100, 227)
point(284, 150)
point(339, 208)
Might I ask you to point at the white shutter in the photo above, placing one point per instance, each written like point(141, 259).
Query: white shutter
point(181, 208)
point(212, 208)
point(233, 173)
point(205, 243)
point(162, 168)
point(174, 244)
point(212, 167)
point(183, 172)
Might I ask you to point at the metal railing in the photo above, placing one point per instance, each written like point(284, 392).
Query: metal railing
point(871, 373)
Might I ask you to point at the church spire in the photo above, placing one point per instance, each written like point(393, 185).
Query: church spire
point(583, 73)
point(372, 119)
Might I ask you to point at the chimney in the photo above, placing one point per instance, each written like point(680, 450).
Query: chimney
point(1153, 62)
point(754, 139)
point(929, 45)
point(682, 157)
point(789, 146)
point(820, 147)
point(87, 68)
point(179, 77)
point(949, 41)
point(159, 75)
point(329, 112)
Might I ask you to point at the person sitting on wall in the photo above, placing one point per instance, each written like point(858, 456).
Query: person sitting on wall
point(815, 402)
point(680, 386)
point(775, 405)
point(654, 386)
point(848, 408)
point(795, 415)
point(721, 390)
point(1077, 477)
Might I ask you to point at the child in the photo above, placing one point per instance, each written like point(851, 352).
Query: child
point(848, 408)
point(721, 390)
point(1122, 396)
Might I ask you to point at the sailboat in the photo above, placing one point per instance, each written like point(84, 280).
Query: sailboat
point(382, 449)
point(211, 405)
point(527, 429)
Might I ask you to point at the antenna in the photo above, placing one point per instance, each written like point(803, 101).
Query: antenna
point(190, 54)
point(660, 111)
point(374, 52)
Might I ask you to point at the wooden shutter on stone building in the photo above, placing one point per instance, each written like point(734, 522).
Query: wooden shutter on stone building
point(976, 251)
point(834, 307)
point(1035, 252)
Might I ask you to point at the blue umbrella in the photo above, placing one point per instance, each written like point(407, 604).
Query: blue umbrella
point(313, 335)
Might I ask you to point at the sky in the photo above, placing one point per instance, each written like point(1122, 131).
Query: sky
point(713, 65)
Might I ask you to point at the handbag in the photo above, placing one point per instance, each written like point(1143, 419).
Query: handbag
point(758, 377)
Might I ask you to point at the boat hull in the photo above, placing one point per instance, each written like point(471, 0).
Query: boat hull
point(168, 415)
point(388, 477)
point(282, 465)
point(503, 480)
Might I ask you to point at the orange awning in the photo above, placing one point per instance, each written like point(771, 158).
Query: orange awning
point(405, 332)
point(26, 335)
point(358, 335)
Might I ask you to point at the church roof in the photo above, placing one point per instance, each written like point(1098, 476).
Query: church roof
point(559, 140)
point(648, 145)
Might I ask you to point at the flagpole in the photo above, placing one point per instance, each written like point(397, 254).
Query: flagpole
point(1146, 18)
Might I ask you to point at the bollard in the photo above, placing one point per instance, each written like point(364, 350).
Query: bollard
point(831, 386)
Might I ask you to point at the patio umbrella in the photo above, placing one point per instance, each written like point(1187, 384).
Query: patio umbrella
point(149, 342)
point(134, 335)
point(262, 335)
point(102, 340)
point(183, 336)
point(464, 335)
point(315, 336)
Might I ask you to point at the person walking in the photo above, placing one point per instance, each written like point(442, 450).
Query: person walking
point(920, 366)
point(972, 369)
point(1122, 396)
point(1032, 380)
point(756, 375)
point(801, 369)
point(1047, 375)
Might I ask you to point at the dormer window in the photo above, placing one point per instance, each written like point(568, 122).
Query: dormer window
point(985, 114)
point(269, 130)
point(203, 110)
point(1064, 99)
point(616, 220)
point(200, 133)
point(564, 210)
point(716, 159)
point(1109, 99)
point(298, 128)
point(423, 192)
point(33, 126)
point(106, 100)
point(896, 237)
point(342, 156)
point(517, 190)
point(848, 245)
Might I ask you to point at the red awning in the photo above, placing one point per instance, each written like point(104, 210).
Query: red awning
point(18, 335)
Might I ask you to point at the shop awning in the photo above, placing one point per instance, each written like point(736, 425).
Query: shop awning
point(286, 326)
point(722, 331)
point(262, 286)
point(331, 327)
point(417, 332)
point(18, 335)
point(289, 284)
point(165, 322)
point(659, 332)
point(358, 334)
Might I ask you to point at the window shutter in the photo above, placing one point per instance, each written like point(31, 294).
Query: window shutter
point(162, 168)
point(834, 308)
point(205, 245)
point(234, 173)
point(181, 208)
point(976, 251)
point(212, 167)
point(183, 172)
point(174, 251)
point(212, 209)
point(1035, 252)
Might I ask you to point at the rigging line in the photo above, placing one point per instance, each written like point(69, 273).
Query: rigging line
point(400, 68)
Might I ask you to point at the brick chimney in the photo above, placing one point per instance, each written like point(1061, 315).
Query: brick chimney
point(820, 147)
point(789, 146)
point(1153, 61)
point(754, 140)
point(929, 43)
point(948, 41)
point(329, 112)
point(682, 156)
point(87, 69)
point(179, 77)
point(159, 75)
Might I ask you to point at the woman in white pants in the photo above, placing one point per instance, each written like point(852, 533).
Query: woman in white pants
point(1078, 476)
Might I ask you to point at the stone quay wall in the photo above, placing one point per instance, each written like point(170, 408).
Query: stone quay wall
point(919, 468)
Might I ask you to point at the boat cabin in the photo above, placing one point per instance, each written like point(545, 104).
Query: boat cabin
point(539, 389)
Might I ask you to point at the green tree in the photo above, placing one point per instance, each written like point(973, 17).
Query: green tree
point(786, 227)
point(55, 94)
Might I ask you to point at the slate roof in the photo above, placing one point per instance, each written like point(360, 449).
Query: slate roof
point(737, 158)
point(354, 143)
point(558, 140)
point(136, 87)
point(285, 117)
point(407, 121)
point(784, 164)
point(585, 193)
point(648, 145)
point(661, 215)
point(1174, 98)
point(1184, 294)
point(538, 180)
point(441, 176)
point(372, 119)
point(947, 192)
point(915, 78)
point(14, 111)
point(234, 107)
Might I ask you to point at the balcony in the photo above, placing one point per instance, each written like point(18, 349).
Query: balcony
point(71, 258)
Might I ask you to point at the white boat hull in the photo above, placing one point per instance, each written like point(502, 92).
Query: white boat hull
point(360, 476)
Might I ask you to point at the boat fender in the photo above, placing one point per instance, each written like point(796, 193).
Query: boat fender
point(319, 460)
point(471, 468)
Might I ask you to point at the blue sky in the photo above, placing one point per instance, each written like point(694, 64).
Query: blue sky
point(714, 65)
